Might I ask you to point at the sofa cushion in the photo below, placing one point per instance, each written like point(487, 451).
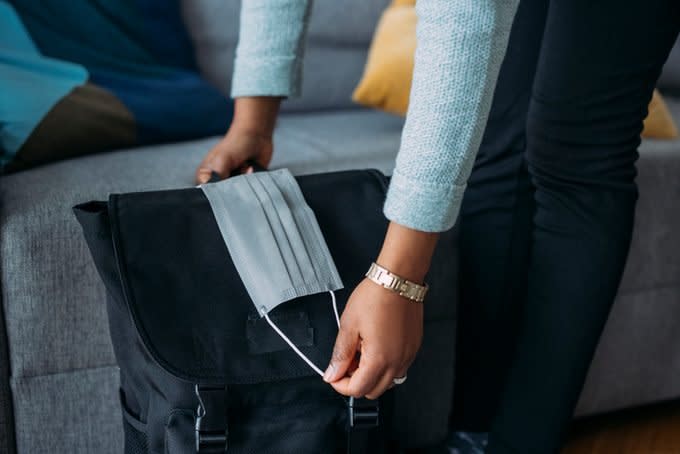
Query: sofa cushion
point(659, 123)
point(337, 43)
point(386, 82)
point(75, 412)
point(669, 82)
point(637, 361)
point(653, 259)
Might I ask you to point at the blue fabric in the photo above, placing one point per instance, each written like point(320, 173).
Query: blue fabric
point(140, 51)
point(165, 34)
point(175, 107)
point(116, 35)
point(30, 84)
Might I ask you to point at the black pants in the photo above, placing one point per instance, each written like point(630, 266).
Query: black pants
point(547, 217)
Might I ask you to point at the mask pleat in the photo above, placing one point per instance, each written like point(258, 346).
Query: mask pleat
point(281, 226)
point(324, 266)
point(273, 237)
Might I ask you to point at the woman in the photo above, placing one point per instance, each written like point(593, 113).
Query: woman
point(547, 216)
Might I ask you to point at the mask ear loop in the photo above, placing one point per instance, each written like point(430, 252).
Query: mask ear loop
point(292, 345)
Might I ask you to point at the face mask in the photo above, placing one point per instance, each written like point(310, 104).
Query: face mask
point(274, 240)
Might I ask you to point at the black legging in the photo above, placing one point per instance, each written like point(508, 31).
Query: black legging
point(547, 217)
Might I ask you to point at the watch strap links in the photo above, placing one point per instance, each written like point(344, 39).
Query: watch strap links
point(408, 289)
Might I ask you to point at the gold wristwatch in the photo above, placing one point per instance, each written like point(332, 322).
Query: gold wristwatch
point(404, 287)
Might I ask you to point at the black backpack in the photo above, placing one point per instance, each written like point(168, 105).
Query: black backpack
point(200, 371)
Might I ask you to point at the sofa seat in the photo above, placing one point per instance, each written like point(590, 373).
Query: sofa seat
point(638, 359)
point(63, 378)
point(63, 373)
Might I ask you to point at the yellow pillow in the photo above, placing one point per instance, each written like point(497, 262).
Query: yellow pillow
point(659, 122)
point(386, 82)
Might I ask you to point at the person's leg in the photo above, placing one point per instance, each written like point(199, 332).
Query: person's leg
point(495, 226)
point(597, 69)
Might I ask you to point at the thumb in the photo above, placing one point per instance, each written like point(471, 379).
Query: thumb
point(345, 350)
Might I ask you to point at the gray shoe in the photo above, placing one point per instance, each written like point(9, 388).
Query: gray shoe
point(467, 442)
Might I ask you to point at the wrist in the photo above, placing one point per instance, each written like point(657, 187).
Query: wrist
point(255, 116)
point(407, 252)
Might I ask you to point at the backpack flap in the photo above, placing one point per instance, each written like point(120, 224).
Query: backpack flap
point(189, 306)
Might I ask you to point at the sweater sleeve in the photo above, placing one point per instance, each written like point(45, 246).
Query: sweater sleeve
point(270, 48)
point(461, 44)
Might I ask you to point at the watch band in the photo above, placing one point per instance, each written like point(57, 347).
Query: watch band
point(403, 287)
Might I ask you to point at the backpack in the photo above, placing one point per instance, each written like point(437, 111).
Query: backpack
point(200, 371)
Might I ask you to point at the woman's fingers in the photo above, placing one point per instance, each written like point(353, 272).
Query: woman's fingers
point(365, 378)
point(233, 154)
point(346, 347)
point(217, 160)
point(204, 170)
point(360, 383)
point(369, 381)
point(385, 383)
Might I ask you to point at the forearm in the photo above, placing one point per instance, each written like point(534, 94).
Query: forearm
point(461, 44)
point(270, 49)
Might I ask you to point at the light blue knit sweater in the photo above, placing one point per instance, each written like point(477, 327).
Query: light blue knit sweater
point(461, 44)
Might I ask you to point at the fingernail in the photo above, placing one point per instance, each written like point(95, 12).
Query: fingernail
point(329, 373)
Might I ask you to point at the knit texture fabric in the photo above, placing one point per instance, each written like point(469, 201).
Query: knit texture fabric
point(461, 45)
point(270, 48)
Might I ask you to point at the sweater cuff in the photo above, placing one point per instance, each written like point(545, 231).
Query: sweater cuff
point(270, 76)
point(423, 206)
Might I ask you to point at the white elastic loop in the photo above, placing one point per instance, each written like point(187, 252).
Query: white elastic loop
point(335, 308)
point(292, 345)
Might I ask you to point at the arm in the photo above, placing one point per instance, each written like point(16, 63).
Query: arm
point(270, 48)
point(461, 44)
point(267, 68)
point(448, 109)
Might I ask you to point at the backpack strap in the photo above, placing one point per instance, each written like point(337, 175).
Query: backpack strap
point(364, 424)
point(212, 428)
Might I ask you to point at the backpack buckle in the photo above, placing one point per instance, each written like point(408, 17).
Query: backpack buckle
point(211, 419)
point(363, 413)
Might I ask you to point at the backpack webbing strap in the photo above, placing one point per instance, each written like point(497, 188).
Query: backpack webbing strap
point(364, 421)
point(212, 428)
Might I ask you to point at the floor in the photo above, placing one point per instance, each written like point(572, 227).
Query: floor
point(650, 430)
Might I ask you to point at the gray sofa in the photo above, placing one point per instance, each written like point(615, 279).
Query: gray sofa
point(58, 377)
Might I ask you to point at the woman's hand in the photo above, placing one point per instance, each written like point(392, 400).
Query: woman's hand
point(249, 139)
point(384, 329)
point(233, 153)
